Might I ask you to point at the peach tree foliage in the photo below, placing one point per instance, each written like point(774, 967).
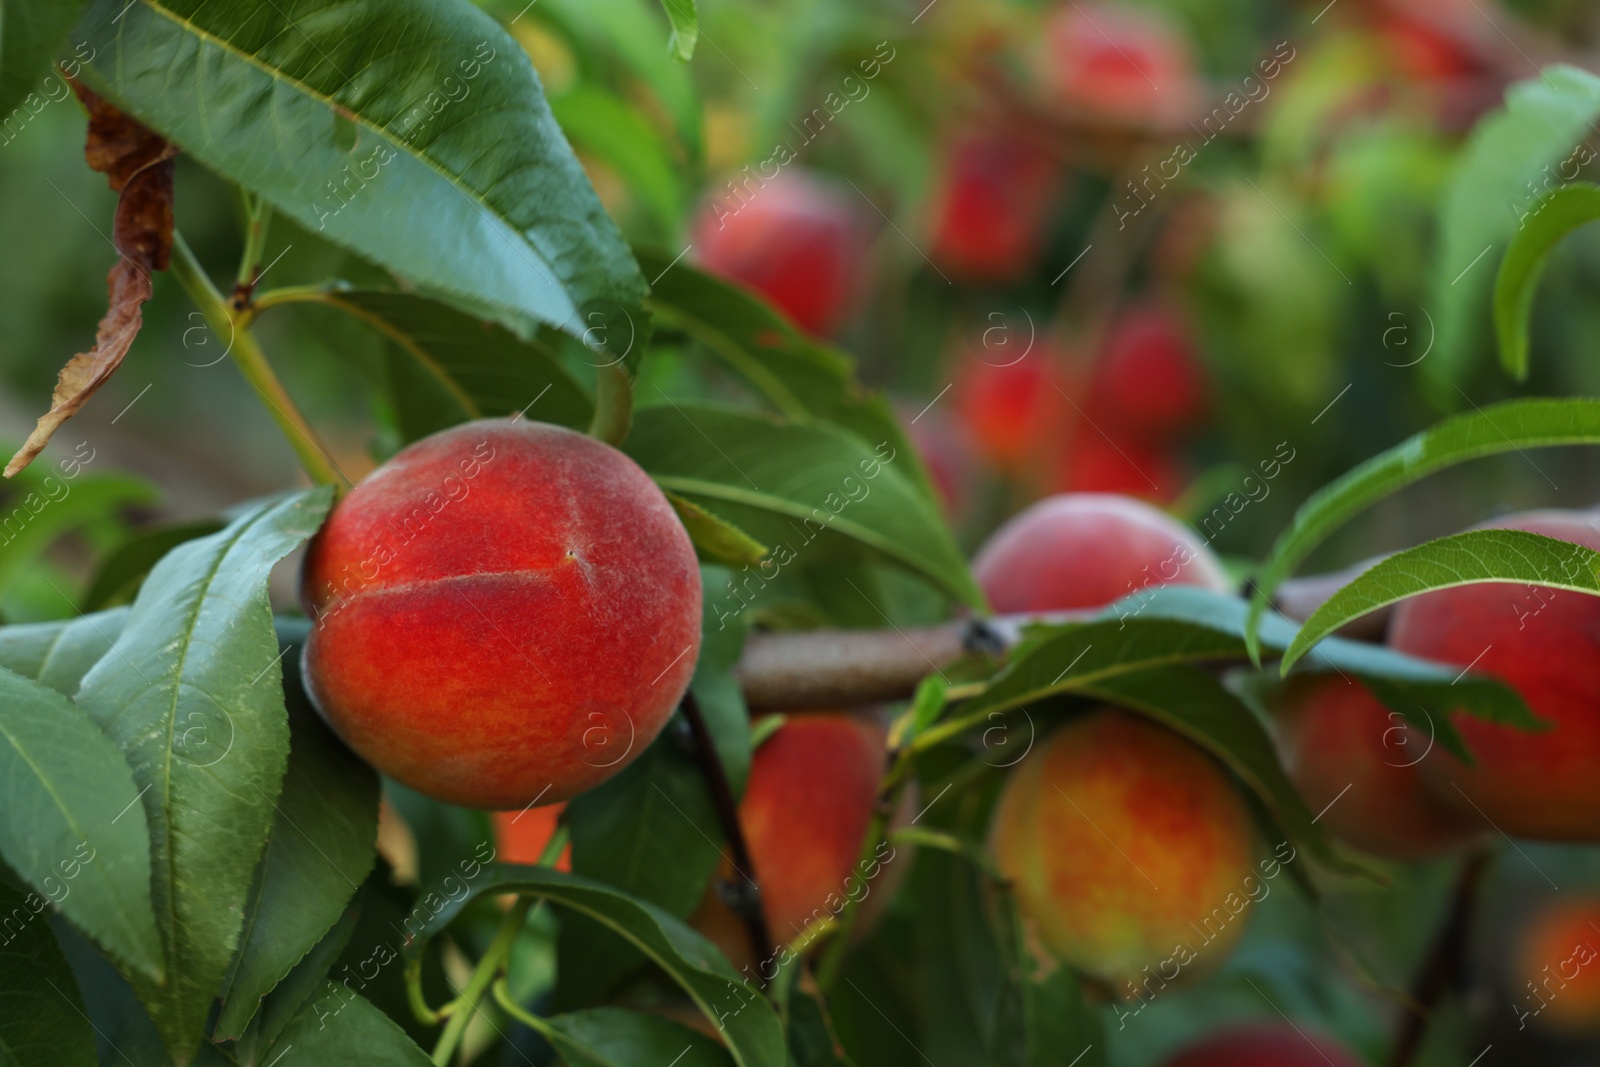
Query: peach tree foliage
point(189, 872)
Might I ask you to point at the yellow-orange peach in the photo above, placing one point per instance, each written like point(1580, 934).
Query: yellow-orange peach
point(1132, 855)
point(505, 612)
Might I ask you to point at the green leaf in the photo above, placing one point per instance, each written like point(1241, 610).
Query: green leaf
point(745, 1019)
point(685, 27)
point(812, 1042)
point(59, 654)
point(410, 131)
point(1043, 1019)
point(613, 130)
point(796, 375)
point(1460, 559)
point(1544, 120)
point(306, 979)
point(650, 832)
point(790, 483)
point(446, 367)
point(319, 851)
point(192, 692)
point(342, 1027)
point(48, 506)
point(615, 1037)
point(42, 1023)
point(718, 540)
point(120, 573)
point(72, 824)
point(30, 34)
point(1515, 425)
point(1552, 218)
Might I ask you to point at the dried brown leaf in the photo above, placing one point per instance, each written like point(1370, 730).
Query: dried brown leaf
point(138, 165)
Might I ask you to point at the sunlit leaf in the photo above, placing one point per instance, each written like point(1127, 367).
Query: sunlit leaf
point(1515, 425)
point(1460, 559)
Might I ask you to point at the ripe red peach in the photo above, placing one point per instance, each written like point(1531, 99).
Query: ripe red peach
point(506, 611)
point(1086, 550)
point(1357, 763)
point(795, 239)
point(1118, 62)
point(1556, 966)
point(805, 813)
point(1011, 396)
point(1148, 381)
point(1546, 644)
point(1131, 853)
point(522, 836)
point(1264, 1045)
point(991, 203)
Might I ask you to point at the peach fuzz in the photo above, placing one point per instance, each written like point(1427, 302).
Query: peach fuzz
point(1556, 966)
point(1264, 1045)
point(1131, 853)
point(505, 612)
point(1086, 550)
point(795, 239)
point(1357, 763)
point(805, 813)
point(1544, 643)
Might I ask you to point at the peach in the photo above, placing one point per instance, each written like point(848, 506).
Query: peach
point(1264, 1045)
point(1085, 550)
point(506, 611)
point(1117, 62)
point(1148, 381)
point(805, 813)
point(1356, 762)
point(521, 836)
point(1557, 966)
point(1011, 396)
point(991, 205)
point(795, 239)
point(1546, 644)
point(1131, 853)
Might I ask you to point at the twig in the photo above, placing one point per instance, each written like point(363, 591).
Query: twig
point(746, 902)
point(230, 329)
point(844, 668)
point(1443, 968)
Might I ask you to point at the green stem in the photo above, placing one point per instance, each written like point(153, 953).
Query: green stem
point(252, 363)
point(613, 405)
point(465, 1006)
point(258, 213)
point(461, 1010)
point(288, 294)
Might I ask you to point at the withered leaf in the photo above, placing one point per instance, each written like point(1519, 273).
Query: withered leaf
point(138, 165)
